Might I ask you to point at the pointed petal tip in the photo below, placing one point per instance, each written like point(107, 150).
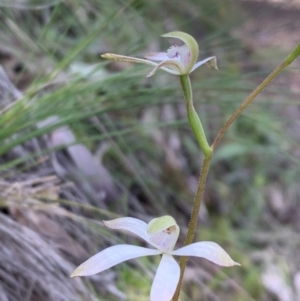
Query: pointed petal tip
point(227, 261)
point(212, 63)
point(150, 74)
point(115, 223)
point(77, 272)
point(110, 223)
point(208, 250)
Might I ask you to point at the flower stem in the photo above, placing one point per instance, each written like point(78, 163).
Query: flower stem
point(199, 133)
point(194, 219)
point(193, 117)
point(287, 61)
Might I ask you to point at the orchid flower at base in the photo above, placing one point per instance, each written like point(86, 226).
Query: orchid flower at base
point(161, 233)
point(178, 60)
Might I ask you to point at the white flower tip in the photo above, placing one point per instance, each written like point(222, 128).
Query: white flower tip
point(114, 223)
point(77, 272)
point(236, 263)
point(228, 262)
point(208, 250)
point(118, 223)
point(106, 223)
point(223, 259)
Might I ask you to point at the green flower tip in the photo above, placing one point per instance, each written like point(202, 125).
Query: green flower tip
point(160, 224)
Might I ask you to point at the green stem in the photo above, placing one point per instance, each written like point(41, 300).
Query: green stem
point(193, 220)
point(287, 61)
point(199, 133)
point(193, 117)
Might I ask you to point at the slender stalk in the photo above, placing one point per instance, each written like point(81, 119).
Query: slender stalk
point(193, 117)
point(199, 133)
point(194, 219)
point(288, 60)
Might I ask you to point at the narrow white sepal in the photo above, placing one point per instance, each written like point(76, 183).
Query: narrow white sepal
point(166, 66)
point(165, 280)
point(212, 61)
point(131, 224)
point(208, 250)
point(110, 257)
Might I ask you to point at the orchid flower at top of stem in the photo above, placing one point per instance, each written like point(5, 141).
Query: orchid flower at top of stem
point(181, 61)
point(177, 60)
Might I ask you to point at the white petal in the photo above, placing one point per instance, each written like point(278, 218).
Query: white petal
point(208, 250)
point(172, 66)
point(165, 280)
point(157, 56)
point(110, 257)
point(133, 225)
point(212, 61)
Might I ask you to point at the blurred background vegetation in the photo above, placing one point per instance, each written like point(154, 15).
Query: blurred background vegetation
point(83, 139)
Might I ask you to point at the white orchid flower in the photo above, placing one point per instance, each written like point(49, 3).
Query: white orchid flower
point(162, 233)
point(178, 60)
